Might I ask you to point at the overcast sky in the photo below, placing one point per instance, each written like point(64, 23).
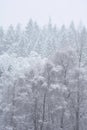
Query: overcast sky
point(60, 11)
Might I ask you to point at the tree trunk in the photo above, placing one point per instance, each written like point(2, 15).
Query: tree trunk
point(62, 119)
point(35, 115)
point(43, 114)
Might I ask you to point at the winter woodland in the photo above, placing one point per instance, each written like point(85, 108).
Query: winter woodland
point(43, 77)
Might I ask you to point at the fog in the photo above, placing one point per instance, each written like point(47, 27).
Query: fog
point(60, 11)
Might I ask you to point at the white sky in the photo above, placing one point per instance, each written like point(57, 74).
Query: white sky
point(60, 11)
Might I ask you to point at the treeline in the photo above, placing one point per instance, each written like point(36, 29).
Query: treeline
point(45, 40)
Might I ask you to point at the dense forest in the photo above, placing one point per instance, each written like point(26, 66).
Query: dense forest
point(43, 77)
